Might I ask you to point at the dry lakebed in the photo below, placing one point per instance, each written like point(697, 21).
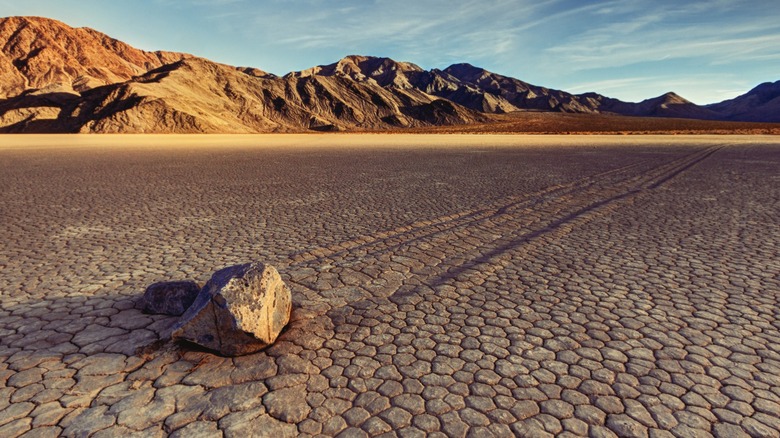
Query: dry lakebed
point(443, 285)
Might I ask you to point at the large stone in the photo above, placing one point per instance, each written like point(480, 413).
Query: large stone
point(170, 297)
point(241, 310)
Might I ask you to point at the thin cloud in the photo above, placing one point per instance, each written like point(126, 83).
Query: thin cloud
point(664, 34)
point(384, 22)
point(712, 49)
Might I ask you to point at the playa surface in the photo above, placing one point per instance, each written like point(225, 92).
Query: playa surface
point(479, 285)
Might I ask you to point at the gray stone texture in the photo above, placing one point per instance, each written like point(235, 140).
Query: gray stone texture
point(169, 297)
point(241, 310)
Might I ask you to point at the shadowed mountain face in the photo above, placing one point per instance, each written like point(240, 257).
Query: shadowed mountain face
point(515, 94)
point(761, 104)
point(666, 105)
point(54, 78)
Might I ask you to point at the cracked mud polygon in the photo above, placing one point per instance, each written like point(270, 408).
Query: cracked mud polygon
point(443, 285)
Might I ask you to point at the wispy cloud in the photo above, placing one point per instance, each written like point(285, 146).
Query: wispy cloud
point(435, 29)
point(670, 33)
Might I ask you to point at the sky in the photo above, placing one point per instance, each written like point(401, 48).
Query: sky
point(704, 50)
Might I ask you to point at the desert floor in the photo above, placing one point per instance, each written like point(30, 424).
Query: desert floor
point(448, 284)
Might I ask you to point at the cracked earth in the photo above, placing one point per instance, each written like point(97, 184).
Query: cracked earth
point(443, 285)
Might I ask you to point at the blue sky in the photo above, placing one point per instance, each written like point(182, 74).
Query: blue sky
point(705, 51)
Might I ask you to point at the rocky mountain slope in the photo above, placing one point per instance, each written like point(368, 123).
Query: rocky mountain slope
point(39, 53)
point(224, 99)
point(55, 78)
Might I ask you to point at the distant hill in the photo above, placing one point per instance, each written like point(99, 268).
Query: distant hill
point(55, 78)
point(761, 104)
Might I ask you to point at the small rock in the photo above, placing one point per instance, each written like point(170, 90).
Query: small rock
point(170, 297)
point(241, 310)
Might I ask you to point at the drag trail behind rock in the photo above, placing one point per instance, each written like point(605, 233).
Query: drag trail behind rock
point(428, 254)
point(484, 285)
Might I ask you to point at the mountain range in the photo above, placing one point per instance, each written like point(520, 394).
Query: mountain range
point(55, 78)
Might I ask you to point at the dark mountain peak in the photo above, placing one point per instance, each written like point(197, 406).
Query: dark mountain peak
point(666, 105)
point(761, 104)
point(475, 75)
point(464, 69)
point(759, 95)
point(765, 92)
point(377, 63)
point(766, 86)
point(384, 71)
point(671, 98)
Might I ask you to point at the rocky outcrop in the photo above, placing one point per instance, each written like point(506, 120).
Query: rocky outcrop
point(241, 310)
point(169, 297)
